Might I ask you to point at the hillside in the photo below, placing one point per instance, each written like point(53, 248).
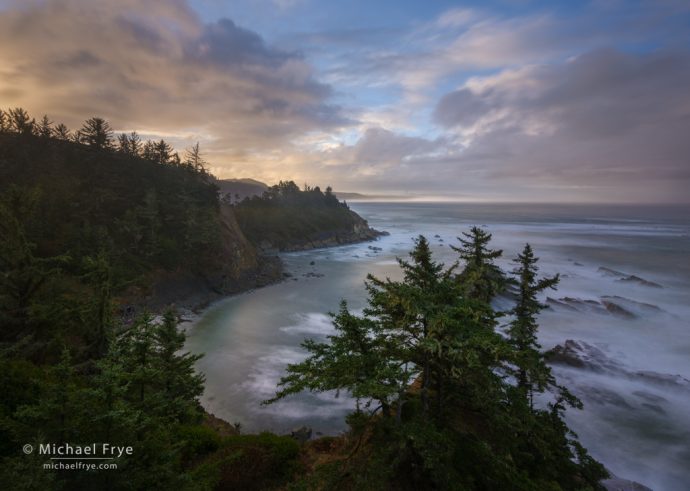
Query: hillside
point(233, 190)
point(289, 219)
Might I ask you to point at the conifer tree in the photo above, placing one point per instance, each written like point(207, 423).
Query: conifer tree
point(20, 122)
point(195, 159)
point(61, 132)
point(45, 127)
point(480, 277)
point(532, 373)
point(4, 122)
point(180, 384)
point(97, 133)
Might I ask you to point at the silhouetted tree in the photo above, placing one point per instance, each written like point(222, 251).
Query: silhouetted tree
point(194, 159)
point(20, 121)
point(61, 132)
point(97, 133)
point(4, 122)
point(45, 127)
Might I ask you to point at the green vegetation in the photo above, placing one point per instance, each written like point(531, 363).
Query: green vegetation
point(285, 215)
point(443, 400)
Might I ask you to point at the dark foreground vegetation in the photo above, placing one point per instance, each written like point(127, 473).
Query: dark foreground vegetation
point(448, 396)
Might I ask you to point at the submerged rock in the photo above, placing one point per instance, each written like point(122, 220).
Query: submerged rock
point(580, 354)
point(617, 310)
point(610, 272)
point(628, 278)
point(640, 281)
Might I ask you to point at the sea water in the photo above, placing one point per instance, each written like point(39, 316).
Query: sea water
point(636, 418)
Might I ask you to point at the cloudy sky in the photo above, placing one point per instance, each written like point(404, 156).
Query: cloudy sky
point(511, 100)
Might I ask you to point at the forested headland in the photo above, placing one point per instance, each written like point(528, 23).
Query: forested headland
point(450, 393)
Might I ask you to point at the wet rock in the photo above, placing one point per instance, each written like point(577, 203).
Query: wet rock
point(628, 278)
point(639, 281)
point(633, 306)
point(580, 354)
point(610, 272)
point(302, 435)
point(617, 310)
point(605, 397)
point(663, 379)
point(557, 304)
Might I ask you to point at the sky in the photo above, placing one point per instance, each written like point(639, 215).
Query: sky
point(507, 100)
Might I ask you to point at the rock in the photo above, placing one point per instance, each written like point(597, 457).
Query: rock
point(640, 281)
point(553, 303)
point(618, 484)
point(302, 435)
point(610, 272)
point(605, 397)
point(580, 354)
point(626, 278)
point(663, 379)
point(312, 263)
point(617, 310)
point(633, 305)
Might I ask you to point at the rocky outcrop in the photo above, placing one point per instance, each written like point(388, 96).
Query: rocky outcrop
point(359, 231)
point(628, 278)
point(238, 267)
point(621, 307)
point(580, 354)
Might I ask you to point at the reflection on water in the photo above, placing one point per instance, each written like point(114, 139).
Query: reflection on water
point(639, 426)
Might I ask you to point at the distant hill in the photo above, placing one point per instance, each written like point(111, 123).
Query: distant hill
point(242, 187)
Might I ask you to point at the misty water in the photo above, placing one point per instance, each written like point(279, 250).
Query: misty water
point(636, 392)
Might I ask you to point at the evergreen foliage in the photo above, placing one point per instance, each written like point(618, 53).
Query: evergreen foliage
point(285, 215)
point(428, 363)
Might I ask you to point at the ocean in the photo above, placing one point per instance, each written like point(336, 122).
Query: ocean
point(634, 384)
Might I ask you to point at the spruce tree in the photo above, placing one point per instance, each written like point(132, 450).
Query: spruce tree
point(97, 133)
point(532, 373)
point(480, 277)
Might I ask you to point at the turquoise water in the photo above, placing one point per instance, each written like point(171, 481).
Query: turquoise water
point(640, 428)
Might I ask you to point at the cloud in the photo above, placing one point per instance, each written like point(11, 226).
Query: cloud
point(156, 67)
point(605, 118)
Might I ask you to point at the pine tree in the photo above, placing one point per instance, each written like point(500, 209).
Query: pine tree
point(99, 274)
point(62, 132)
point(45, 127)
point(355, 359)
point(181, 385)
point(20, 122)
point(195, 159)
point(4, 122)
point(97, 133)
point(532, 373)
point(480, 278)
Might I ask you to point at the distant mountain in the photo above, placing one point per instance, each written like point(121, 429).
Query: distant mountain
point(241, 187)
